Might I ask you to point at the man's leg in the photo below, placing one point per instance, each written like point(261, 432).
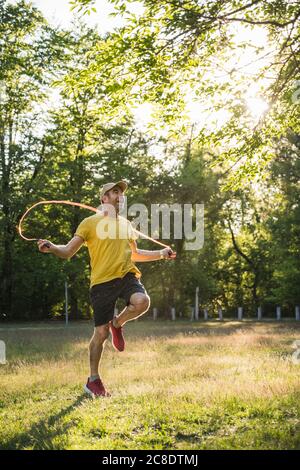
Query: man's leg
point(94, 386)
point(96, 347)
point(139, 304)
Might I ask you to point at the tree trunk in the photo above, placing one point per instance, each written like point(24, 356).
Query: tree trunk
point(6, 267)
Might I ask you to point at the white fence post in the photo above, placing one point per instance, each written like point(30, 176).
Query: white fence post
point(154, 313)
point(297, 313)
point(220, 313)
point(259, 313)
point(173, 313)
point(240, 313)
point(278, 312)
point(2, 352)
point(205, 314)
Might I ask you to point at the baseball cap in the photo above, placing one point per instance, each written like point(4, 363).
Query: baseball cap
point(108, 186)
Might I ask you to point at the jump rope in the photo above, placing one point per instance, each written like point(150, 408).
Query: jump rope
point(84, 206)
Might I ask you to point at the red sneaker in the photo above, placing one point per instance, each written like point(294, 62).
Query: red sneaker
point(117, 337)
point(96, 389)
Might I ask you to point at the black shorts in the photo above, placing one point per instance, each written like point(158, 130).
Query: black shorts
point(104, 296)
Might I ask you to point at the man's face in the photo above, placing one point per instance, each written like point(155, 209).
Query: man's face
point(114, 197)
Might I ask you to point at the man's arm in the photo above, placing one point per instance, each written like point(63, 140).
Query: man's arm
point(147, 255)
point(62, 251)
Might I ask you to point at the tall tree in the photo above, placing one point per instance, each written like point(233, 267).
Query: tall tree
point(24, 64)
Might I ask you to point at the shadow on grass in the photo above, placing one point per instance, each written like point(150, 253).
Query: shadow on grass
point(41, 436)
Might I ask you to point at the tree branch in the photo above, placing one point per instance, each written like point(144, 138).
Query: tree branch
point(254, 22)
point(249, 5)
point(237, 248)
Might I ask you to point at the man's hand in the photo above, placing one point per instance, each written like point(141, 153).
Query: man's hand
point(168, 253)
point(62, 251)
point(45, 246)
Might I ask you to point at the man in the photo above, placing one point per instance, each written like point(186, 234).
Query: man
point(113, 274)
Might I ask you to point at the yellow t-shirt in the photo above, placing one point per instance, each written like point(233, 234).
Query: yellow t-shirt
point(108, 241)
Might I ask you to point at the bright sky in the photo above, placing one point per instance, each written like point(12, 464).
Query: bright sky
point(247, 63)
point(58, 12)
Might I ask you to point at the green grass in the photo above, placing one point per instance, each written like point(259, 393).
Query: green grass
point(178, 385)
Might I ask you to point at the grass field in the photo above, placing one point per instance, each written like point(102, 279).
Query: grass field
point(178, 385)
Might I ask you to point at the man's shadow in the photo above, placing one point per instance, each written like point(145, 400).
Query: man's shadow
point(41, 434)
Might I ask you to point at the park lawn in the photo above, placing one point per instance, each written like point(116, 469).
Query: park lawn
point(178, 385)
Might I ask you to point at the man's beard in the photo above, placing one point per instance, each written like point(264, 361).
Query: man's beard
point(120, 206)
